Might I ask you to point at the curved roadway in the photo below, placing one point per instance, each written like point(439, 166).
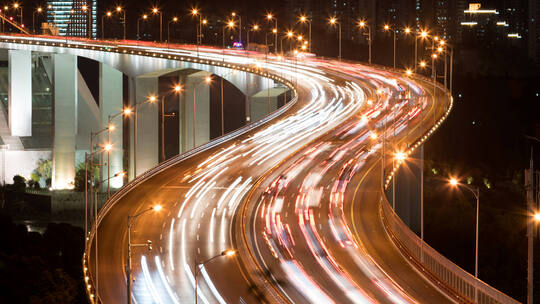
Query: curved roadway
point(298, 197)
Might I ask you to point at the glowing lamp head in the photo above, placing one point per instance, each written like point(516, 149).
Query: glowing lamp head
point(145, 16)
point(373, 136)
point(230, 24)
point(255, 27)
point(233, 14)
point(157, 208)
point(536, 217)
point(118, 8)
point(274, 31)
point(407, 30)
point(453, 181)
point(16, 5)
point(408, 72)
point(111, 127)
point(177, 88)
point(49, 6)
point(436, 38)
point(361, 23)
point(127, 111)
point(442, 42)
point(204, 21)
point(422, 64)
point(207, 79)
point(434, 56)
point(439, 49)
point(333, 20)
point(303, 18)
point(386, 27)
point(109, 14)
point(290, 34)
point(175, 19)
point(120, 174)
point(108, 147)
point(400, 156)
point(39, 9)
point(229, 252)
point(194, 11)
point(269, 16)
point(152, 98)
point(423, 34)
point(155, 10)
point(304, 47)
point(300, 37)
point(84, 7)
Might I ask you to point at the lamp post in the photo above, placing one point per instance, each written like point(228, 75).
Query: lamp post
point(174, 19)
point(230, 25)
point(239, 26)
point(19, 8)
point(254, 28)
point(269, 17)
point(226, 253)
point(119, 9)
point(476, 192)
point(304, 19)
point(333, 21)
point(289, 35)
point(363, 24)
point(87, 11)
point(107, 14)
point(388, 28)
point(151, 99)
point(148, 244)
point(423, 35)
point(155, 10)
point(38, 10)
point(195, 12)
point(206, 80)
point(110, 128)
point(143, 17)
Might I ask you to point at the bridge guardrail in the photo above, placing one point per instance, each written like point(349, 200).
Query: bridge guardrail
point(458, 283)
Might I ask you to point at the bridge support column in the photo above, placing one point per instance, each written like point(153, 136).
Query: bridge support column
point(65, 120)
point(265, 102)
point(110, 101)
point(195, 107)
point(147, 123)
point(20, 92)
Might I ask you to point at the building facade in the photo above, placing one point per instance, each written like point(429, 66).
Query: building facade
point(75, 18)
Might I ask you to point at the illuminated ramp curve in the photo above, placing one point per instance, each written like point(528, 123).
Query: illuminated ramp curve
point(297, 194)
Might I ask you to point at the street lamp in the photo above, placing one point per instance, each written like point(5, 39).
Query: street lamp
point(304, 19)
point(148, 244)
point(38, 10)
point(290, 34)
point(155, 10)
point(333, 21)
point(174, 19)
point(108, 14)
point(143, 17)
point(87, 11)
point(225, 253)
point(269, 17)
point(476, 192)
point(207, 80)
point(254, 28)
point(234, 15)
point(119, 9)
point(388, 28)
point(17, 6)
point(363, 24)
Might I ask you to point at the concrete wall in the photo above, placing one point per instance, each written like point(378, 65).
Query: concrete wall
point(20, 92)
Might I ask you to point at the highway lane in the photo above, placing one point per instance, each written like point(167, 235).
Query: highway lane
point(303, 235)
point(200, 196)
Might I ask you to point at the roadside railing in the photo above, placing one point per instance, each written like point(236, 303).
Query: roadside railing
point(456, 282)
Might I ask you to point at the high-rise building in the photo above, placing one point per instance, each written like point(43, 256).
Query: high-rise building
point(75, 18)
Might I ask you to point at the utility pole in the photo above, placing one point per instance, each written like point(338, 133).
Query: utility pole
point(532, 186)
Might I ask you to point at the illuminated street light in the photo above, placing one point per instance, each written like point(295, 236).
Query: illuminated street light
point(119, 9)
point(362, 24)
point(476, 191)
point(143, 17)
point(333, 21)
point(400, 156)
point(269, 17)
point(148, 245)
point(225, 253)
point(155, 11)
point(305, 19)
point(422, 64)
point(174, 19)
point(387, 28)
point(39, 10)
point(408, 72)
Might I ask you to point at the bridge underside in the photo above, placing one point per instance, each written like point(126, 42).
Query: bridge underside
point(51, 102)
